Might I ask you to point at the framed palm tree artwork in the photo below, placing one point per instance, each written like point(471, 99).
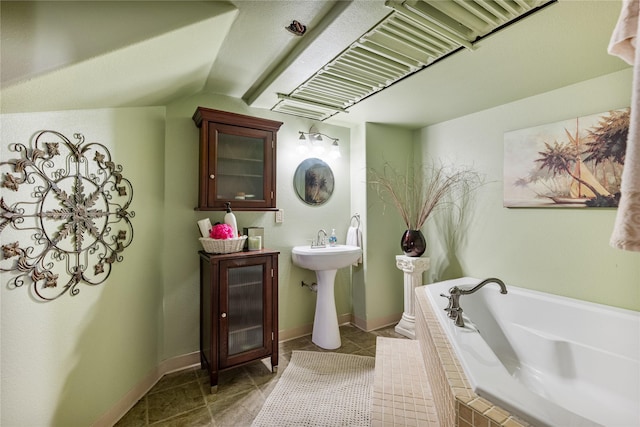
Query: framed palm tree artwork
point(573, 163)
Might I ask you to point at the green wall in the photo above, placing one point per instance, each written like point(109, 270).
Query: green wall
point(109, 338)
point(559, 251)
point(383, 281)
point(301, 221)
point(358, 170)
point(66, 362)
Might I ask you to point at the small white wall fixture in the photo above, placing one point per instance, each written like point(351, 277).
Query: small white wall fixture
point(76, 223)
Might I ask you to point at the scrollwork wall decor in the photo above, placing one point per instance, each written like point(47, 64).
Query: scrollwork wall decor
point(77, 221)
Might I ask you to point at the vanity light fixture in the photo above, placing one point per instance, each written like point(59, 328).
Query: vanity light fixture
point(313, 141)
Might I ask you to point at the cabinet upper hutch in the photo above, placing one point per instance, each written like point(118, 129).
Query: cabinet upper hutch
point(237, 161)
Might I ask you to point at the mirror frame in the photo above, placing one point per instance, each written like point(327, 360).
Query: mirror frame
point(313, 181)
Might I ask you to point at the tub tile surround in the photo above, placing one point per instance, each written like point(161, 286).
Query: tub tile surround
point(401, 392)
point(455, 401)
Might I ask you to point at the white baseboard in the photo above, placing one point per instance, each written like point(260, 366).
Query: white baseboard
point(127, 402)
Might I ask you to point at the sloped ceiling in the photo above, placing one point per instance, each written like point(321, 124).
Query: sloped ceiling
point(105, 54)
point(78, 55)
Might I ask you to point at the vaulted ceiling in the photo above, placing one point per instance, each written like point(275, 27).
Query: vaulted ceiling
point(104, 54)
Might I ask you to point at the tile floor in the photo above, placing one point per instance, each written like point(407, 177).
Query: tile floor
point(182, 399)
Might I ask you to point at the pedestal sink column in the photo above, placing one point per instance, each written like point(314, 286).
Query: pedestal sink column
point(326, 332)
point(325, 261)
point(413, 267)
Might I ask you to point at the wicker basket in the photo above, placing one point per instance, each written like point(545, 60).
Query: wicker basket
point(222, 246)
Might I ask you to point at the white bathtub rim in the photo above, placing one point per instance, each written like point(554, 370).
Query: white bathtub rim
point(485, 369)
point(472, 281)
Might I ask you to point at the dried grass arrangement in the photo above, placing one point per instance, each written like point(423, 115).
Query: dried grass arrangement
point(417, 193)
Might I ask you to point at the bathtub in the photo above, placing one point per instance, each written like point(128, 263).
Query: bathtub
point(549, 360)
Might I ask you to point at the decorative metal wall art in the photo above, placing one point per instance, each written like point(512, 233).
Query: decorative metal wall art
point(77, 222)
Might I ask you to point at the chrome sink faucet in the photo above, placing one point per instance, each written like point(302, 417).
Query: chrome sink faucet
point(454, 309)
point(320, 242)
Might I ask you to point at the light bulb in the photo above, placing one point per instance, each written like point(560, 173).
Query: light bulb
point(334, 150)
point(303, 147)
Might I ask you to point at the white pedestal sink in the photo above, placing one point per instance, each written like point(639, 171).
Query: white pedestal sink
point(325, 262)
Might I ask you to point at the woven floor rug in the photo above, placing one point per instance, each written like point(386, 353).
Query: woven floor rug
point(321, 389)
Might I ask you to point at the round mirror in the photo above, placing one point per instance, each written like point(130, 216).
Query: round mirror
point(313, 181)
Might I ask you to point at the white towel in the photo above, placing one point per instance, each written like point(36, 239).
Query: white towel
point(354, 238)
point(626, 231)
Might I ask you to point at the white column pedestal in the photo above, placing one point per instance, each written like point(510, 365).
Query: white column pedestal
point(413, 267)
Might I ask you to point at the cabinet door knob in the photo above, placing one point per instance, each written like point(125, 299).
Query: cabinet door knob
point(223, 315)
point(212, 176)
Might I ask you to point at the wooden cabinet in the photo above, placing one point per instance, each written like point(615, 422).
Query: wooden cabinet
point(237, 161)
point(238, 310)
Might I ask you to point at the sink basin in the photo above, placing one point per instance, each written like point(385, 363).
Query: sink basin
point(327, 258)
point(325, 262)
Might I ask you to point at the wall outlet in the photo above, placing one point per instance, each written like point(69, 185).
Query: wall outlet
point(280, 216)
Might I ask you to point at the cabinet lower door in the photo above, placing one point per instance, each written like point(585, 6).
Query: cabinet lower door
point(245, 306)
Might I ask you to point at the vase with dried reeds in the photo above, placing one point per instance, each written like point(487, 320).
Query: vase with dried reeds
point(417, 193)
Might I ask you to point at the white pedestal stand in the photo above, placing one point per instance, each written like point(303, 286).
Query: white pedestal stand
point(413, 267)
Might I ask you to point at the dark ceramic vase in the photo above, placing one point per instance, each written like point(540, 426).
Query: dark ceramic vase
point(413, 243)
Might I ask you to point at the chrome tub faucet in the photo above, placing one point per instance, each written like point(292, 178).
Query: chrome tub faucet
point(454, 309)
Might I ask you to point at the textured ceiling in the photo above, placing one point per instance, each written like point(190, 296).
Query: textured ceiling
point(76, 55)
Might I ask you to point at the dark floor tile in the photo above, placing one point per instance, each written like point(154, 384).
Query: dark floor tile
point(200, 373)
point(297, 342)
point(174, 401)
point(283, 361)
point(285, 348)
point(389, 332)
point(267, 388)
point(363, 340)
point(231, 382)
point(347, 347)
point(259, 373)
point(238, 410)
point(199, 417)
point(175, 379)
point(371, 352)
point(136, 417)
point(348, 330)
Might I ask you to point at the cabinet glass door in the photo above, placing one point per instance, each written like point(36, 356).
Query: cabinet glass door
point(238, 165)
point(245, 311)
